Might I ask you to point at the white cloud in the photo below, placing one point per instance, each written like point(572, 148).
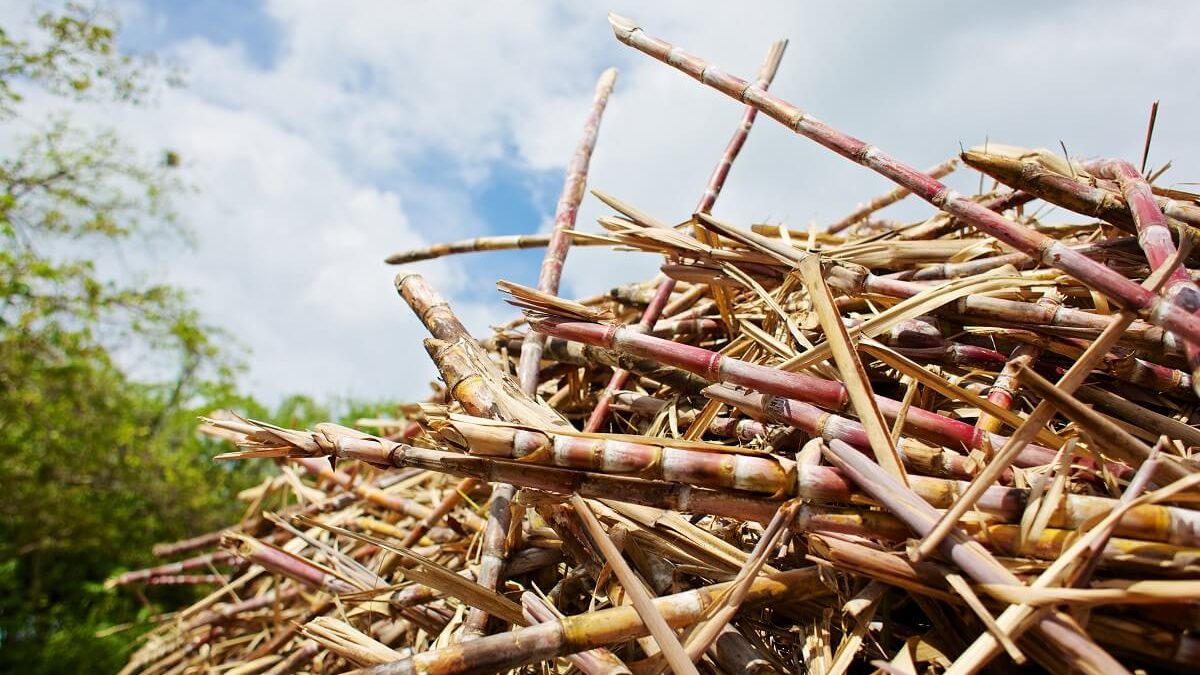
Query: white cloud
point(373, 124)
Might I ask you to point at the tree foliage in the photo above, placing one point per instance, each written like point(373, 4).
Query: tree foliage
point(98, 460)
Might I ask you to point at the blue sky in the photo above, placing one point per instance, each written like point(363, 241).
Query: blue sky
point(321, 137)
point(222, 22)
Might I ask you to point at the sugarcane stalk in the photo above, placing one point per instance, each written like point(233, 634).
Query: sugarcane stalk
point(564, 222)
point(1177, 526)
point(864, 211)
point(969, 555)
point(1125, 366)
point(598, 661)
point(705, 469)
point(1154, 236)
point(716, 181)
point(499, 511)
point(288, 564)
point(1005, 539)
point(1148, 304)
point(1135, 414)
point(1041, 415)
point(293, 662)
point(716, 367)
point(206, 540)
point(495, 243)
point(186, 580)
point(573, 634)
point(372, 493)
point(735, 654)
point(228, 611)
point(448, 503)
point(1004, 388)
point(970, 268)
point(468, 370)
point(196, 562)
point(478, 244)
point(1078, 195)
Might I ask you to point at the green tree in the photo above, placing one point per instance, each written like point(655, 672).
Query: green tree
point(96, 464)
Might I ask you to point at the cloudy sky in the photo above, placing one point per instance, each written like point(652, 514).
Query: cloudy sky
point(322, 136)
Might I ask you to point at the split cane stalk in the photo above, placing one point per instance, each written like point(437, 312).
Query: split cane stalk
point(1080, 196)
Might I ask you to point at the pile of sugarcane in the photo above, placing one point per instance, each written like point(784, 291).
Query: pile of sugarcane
point(958, 444)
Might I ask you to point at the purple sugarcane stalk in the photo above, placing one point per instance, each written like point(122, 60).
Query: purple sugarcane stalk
point(1154, 236)
point(1147, 303)
point(715, 182)
point(564, 221)
point(1004, 388)
point(716, 367)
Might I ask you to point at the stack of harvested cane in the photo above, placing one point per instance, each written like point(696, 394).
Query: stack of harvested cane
point(951, 445)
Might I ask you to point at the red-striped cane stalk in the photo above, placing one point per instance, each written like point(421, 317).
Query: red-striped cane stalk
point(1155, 238)
point(716, 367)
point(564, 221)
point(1039, 246)
point(287, 564)
point(1004, 388)
point(716, 181)
point(203, 561)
